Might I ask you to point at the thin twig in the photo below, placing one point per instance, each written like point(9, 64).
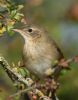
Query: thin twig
point(22, 91)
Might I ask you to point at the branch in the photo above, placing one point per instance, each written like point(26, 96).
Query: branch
point(14, 76)
point(63, 64)
point(22, 91)
point(50, 85)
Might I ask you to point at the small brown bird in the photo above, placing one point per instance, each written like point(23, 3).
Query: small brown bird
point(39, 52)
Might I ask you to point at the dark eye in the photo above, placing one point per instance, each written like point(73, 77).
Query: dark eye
point(30, 30)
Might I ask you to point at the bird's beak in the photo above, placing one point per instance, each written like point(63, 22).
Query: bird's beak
point(19, 31)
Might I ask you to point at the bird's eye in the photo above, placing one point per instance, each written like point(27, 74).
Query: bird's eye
point(30, 30)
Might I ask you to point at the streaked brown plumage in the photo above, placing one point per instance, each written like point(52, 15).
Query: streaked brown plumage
point(39, 52)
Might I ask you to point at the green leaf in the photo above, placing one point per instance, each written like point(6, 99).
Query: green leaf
point(0, 24)
point(20, 7)
point(13, 13)
point(23, 72)
point(9, 27)
point(11, 33)
point(9, 30)
point(63, 72)
point(3, 9)
point(18, 16)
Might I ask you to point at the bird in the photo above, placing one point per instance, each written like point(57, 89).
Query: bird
point(40, 51)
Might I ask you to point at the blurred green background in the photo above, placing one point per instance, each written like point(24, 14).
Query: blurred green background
point(60, 19)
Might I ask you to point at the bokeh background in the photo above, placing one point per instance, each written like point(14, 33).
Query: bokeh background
point(60, 19)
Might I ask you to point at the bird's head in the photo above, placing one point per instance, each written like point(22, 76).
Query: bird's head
point(30, 32)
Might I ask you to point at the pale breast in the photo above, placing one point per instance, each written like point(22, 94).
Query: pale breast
point(39, 58)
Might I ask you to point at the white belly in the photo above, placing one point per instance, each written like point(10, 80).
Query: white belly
point(38, 67)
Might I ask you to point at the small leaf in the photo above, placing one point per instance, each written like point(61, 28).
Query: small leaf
point(9, 27)
point(63, 72)
point(11, 33)
point(0, 24)
point(18, 16)
point(13, 13)
point(3, 9)
point(2, 30)
point(9, 30)
point(22, 72)
point(20, 7)
point(1, 17)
